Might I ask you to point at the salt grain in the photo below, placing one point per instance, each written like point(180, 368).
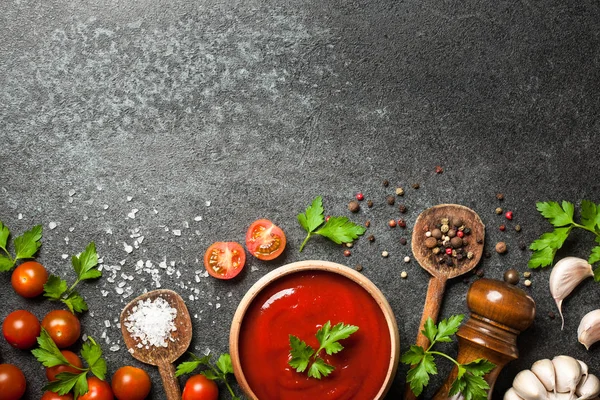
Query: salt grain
point(198, 218)
point(127, 247)
point(71, 192)
point(207, 203)
point(129, 198)
point(65, 256)
point(105, 206)
point(52, 225)
point(132, 213)
point(114, 347)
point(177, 232)
point(151, 323)
point(20, 216)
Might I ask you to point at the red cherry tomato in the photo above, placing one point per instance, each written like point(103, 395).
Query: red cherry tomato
point(224, 260)
point(199, 387)
point(12, 382)
point(29, 278)
point(71, 357)
point(97, 390)
point(48, 395)
point(63, 327)
point(265, 240)
point(21, 329)
point(130, 383)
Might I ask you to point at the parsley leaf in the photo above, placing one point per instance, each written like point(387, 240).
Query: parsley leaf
point(55, 287)
point(557, 215)
point(4, 234)
point(469, 380)
point(301, 354)
point(588, 214)
point(85, 262)
point(92, 354)
point(28, 243)
point(66, 381)
point(6, 263)
point(218, 371)
point(337, 229)
point(75, 302)
point(48, 353)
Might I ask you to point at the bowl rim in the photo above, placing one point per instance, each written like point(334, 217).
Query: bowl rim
point(314, 265)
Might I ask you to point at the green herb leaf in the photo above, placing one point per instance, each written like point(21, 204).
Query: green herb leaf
point(301, 354)
point(55, 287)
point(210, 374)
point(597, 274)
point(6, 263)
point(313, 218)
point(48, 353)
point(319, 368)
point(557, 215)
point(448, 327)
point(224, 364)
point(92, 354)
point(187, 367)
point(413, 356)
point(418, 377)
point(75, 302)
point(595, 256)
point(430, 330)
point(85, 262)
point(541, 258)
point(329, 337)
point(479, 367)
point(4, 234)
point(66, 381)
point(341, 230)
point(588, 214)
point(472, 387)
point(28, 243)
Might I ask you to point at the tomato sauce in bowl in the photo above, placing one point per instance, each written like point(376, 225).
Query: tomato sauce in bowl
point(297, 300)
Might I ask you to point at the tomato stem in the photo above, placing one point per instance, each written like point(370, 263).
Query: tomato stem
point(305, 240)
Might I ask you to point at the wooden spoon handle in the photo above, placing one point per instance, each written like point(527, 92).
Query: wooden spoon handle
point(433, 303)
point(167, 373)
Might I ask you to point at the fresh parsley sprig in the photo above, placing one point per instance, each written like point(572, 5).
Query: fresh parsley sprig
point(338, 229)
point(25, 246)
point(469, 380)
point(85, 264)
point(50, 356)
point(302, 354)
point(560, 215)
point(215, 372)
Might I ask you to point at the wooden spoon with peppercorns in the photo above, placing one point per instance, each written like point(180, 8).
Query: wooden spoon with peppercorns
point(443, 266)
point(177, 344)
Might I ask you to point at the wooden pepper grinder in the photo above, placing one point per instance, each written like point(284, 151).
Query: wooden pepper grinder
point(499, 313)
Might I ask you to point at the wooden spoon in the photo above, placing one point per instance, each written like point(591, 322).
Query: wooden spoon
point(162, 357)
point(440, 273)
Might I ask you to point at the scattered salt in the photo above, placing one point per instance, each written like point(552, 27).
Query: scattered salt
point(114, 347)
point(109, 231)
point(151, 322)
point(20, 216)
point(52, 225)
point(65, 256)
point(70, 199)
point(105, 206)
point(132, 213)
point(107, 323)
point(177, 232)
point(71, 229)
point(127, 247)
point(207, 203)
point(71, 192)
point(129, 198)
point(198, 218)
point(119, 290)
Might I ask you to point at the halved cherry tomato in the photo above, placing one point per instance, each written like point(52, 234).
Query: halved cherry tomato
point(199, 387)
point(224, 260)
point(12, 382)
point(48, 395)
point(131, 383)
point(97, 390)
point(29, 278)
point(21, 329)
point(265, 240)
point(71, 357)
point(63, 327)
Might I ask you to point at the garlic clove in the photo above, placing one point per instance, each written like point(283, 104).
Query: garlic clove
point(568, 373)
point(584, 372)
point(588, 331)
point(511, 394)
point(566, 274)
point(544, 370)
point(529, 387)
point(588, 389)
point(564, 396)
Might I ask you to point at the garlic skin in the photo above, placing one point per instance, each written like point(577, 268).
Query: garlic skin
point(529, 387)
point(511, 394)
point(568, 373)
point(588, 331)
point(544, 370)
point(566, 274)
point(589, 388)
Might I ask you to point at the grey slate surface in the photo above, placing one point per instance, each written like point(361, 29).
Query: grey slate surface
point(257, 107)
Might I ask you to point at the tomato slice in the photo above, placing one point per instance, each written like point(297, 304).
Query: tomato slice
point(265, 240)
point(224, 260)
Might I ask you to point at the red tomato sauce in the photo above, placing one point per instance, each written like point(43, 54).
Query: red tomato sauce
point(299, 304)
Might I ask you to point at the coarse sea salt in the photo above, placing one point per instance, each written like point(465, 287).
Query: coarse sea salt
point(151, 323)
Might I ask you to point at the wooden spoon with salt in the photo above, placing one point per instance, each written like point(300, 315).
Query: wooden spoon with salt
point(162, 357)
point(440, 273)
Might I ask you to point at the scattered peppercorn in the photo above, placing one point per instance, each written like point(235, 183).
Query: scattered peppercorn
point(500, 196)
point(406, 259)
point(360, 196)
point(499, 210)
point(430, 242)
point(518, 228)
point(448, 251)
point(439, 169)
point(358, 267)
point(371, 238)
point(508, 215)
point(402, 223)
point(502, 227)
point(403, 275)
point(347, 253)
point(390, 200)
point(511, 276)
point(501, 248)
point(451, 233)
point(403, 241)
point(436, 233)
point(399, 191)
point(523, 246)
point(416, 185)
point(527, 274)
point(392, 223)
point(402, 208)
point(460, 234)
point(384, 254)
point(369, 203)
point(480, 273)
point(456, 242)
point(527, 282)
point(551, 315)
point(353, 206)
point(467, 231)
point(349, 245)
point(386, 183)
point(368, 223)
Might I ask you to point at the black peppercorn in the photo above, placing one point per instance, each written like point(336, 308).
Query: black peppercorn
point(386, 183)
point(369, 203)
point(403, 241)
point(371, 238)
point(402, 208)
point(390, 200)
point(353, 206)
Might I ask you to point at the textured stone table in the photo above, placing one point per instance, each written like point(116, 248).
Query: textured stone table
point(204, 116)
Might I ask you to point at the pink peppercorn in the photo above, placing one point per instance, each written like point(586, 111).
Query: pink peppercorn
point(449, 250)
point(327, 218)
point(360, 196)
point(460, 234)
point(347, 253)
point(402, 223)
point(392, 223)
point(502, 228)
point(509, 215)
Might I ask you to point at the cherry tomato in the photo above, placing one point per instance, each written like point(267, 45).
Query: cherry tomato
point(224, 260)
point(12, 382)
point(199, 387)
point(130, 383)
point(48, 395)
point(97, 390)
point(29, 278)
point(21, 329)
point(63, 327)
point(71, 357)
point(265, 240)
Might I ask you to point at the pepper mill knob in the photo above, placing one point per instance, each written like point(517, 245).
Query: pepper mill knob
point(499, 313)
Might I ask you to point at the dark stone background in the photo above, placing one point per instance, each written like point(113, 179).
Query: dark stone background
point(261, 106)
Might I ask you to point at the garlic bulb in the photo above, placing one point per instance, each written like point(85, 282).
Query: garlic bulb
point(588, 331)
point(562, 378)
point(566, 274)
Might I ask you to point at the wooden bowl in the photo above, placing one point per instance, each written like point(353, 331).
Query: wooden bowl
point(304, 266)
